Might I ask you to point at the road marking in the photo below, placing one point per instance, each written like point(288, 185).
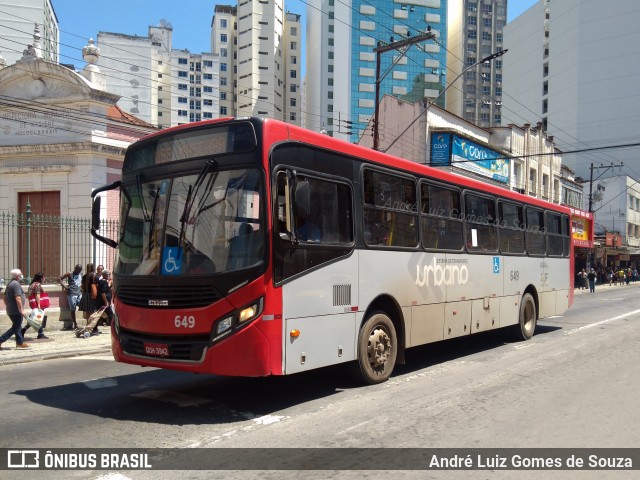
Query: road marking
point(101, 383)
point(619, 317)
point(269, 419)
point(175, 398)
point(355, 426)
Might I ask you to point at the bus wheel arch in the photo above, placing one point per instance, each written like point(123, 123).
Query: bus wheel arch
point(528, 315)
point(380, 343)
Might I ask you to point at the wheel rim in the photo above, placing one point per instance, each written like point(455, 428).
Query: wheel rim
point(529, 316)
point(379, 347)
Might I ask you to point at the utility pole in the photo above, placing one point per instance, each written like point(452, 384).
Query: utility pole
point(604, 168)
point(402, 46)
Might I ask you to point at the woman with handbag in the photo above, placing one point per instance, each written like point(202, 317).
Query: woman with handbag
point(38, 298)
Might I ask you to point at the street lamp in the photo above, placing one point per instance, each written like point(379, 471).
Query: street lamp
point(488, 59)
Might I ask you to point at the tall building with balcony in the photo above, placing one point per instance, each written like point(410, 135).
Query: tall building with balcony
point(16, 29)
point(260, 69)
point(573, 65)
point(475, 32)
point(157, 83)
point(341, 62)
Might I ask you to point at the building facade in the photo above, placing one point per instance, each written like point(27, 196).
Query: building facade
point(260, 60)
point(475, 31)
point(574, 67)
point(16, 28)
point(341, 63)
point(61, 136)
point(157, 83)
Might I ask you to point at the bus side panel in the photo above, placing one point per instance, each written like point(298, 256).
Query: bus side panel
point(559, 282)
point(321, 305)
point(427, 324)
point(510, 310)
point(473, 276)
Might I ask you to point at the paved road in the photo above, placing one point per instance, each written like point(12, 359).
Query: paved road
point(574, 385)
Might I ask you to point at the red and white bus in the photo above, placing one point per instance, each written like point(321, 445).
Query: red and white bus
point(252, 247)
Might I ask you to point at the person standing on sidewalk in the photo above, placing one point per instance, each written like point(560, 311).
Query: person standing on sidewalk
point(73, 289)
point(16, 302)
point(36, 292)
point(591, 276)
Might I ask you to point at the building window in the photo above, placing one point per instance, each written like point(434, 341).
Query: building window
point(294, 45)
point(294, 31)
point(292, 102)
point(293, 74)
point(223, 110)
point(208, 89)
point(182, 74)
point(472, 34)
point(486, 36)
point(473, 21)
point(486, 8)
point(223, 96)
point(208, 76)
point(223, 23)
point(223, 81)
point(223, 67)
point(484, 117)
point(182, 113)
point(182, 86)
point(182, 61)
point(159, 75)
point(223, 52)
point(223, 37)
point(545, 105)
point(471, 61)
point(207, 115)
point(294, 60)
point(182, 99)
point(293, 88)
point(292, 116)
point(207, 103)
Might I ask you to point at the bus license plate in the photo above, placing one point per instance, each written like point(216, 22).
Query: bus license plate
point(156, 349)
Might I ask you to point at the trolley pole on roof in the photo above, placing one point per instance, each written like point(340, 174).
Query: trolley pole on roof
point(402, 46)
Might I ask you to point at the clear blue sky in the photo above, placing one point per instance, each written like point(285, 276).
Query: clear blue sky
point(191, 19)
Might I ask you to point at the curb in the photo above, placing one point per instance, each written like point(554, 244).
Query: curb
point(53, 356)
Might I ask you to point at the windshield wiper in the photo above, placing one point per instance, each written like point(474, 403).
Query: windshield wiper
point(191, 196)
point(145, 212)
point(152, 221)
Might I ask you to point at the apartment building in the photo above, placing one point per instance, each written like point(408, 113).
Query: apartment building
point(573, 65)
point(157, 83)
point(17, 20)
point(475, 31)
point(260, 51)
point(341, 62)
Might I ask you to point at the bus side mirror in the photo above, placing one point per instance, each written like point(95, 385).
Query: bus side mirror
point(95, 213)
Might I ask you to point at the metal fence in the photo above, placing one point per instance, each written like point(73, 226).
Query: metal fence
point(51, 245)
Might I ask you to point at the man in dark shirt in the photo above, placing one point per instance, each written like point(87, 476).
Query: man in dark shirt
point(16, 302)
point(104, 294)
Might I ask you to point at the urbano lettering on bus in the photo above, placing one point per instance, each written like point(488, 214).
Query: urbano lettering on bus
point(439, 274)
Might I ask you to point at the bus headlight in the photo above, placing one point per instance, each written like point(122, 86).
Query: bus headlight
point(224, 325)
point(248, 313)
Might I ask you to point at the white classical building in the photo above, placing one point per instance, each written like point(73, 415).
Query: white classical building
point(61, 136)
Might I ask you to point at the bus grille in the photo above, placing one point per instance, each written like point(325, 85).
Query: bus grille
point(341, 295)
point(174, 296)
point(188, 349)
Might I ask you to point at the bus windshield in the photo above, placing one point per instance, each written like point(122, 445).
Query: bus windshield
point(202, 223)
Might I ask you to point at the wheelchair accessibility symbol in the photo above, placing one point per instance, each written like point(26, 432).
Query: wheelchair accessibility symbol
point(496, 264)
point(171, 261)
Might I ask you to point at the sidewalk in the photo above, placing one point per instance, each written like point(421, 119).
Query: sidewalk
point(60, 344)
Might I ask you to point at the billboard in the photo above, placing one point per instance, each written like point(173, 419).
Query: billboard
point(450, 149)
point(581, 228)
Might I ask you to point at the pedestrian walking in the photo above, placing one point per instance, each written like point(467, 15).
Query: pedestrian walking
point(73, 288)
point(16, 302)
point(38, 298)
point(591, 276)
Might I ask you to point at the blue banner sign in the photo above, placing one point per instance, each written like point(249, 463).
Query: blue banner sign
point(479, 160)
point(440, 149)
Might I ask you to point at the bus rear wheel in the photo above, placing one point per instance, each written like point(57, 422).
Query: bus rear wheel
point(377, 349)
point(528, 318)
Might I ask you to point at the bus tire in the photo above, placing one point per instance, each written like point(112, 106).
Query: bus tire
point(377, 349)
point(527, 320)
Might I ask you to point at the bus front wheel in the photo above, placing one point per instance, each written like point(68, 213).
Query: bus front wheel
point(377, 349)
point(528, 318)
